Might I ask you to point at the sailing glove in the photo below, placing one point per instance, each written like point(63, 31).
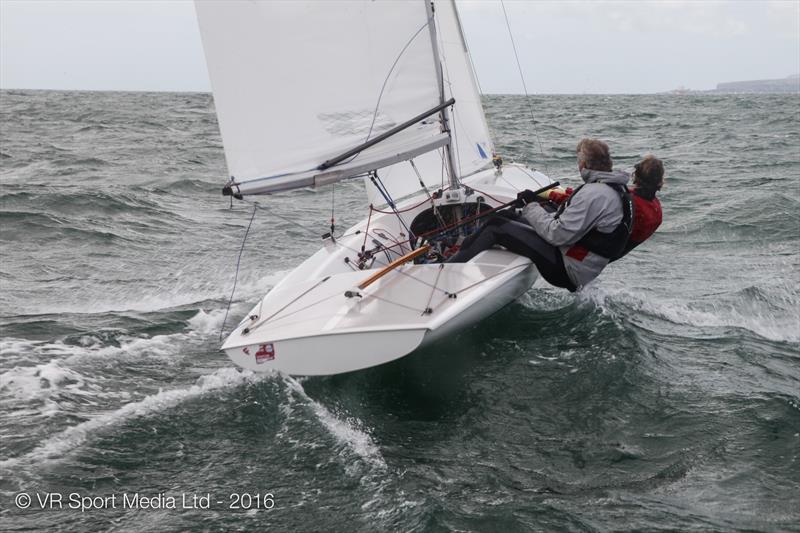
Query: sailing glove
point(525, 197)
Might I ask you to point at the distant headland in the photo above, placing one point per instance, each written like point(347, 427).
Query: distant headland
point(788, 85)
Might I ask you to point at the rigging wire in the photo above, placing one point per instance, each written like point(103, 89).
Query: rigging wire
point(446, 80)
point(383, 87)
point(376, 181)
point(386, 80)
point(236, 277)
point(311, 231)
point(524, 86)
point(472, 64)
point(333, 208)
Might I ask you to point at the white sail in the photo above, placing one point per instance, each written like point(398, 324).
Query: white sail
point(471, 140)
point(298, 82)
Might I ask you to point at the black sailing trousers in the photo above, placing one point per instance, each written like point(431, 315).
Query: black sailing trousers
point(520, 238)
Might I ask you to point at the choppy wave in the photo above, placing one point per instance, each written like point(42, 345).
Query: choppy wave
point(663, 394)
point(61, 444)
point(766, 320)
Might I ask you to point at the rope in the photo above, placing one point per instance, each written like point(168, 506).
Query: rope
point(422, 311)
point(524, 87)
point(236, 277)
point(314, 232)
point(395, 211)
point(290, 313)
point(333, 208)
point(436, 213)
point(435, 283)
point(366, 230)
point(270, 317)
point(385, 193)
point(459, 291)
point(487, 194)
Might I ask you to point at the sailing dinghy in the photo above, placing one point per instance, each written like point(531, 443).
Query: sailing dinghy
point(309, 93)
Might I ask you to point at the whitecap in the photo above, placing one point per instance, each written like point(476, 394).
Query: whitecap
point(28, 382)
point(766, 323)
point(200, 326)
point(66, 441)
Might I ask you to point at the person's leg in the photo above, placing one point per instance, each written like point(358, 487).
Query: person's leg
point(521, 239)
point(479, 241)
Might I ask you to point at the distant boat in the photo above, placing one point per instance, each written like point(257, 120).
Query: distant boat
point(311, 93)
point(680, 90)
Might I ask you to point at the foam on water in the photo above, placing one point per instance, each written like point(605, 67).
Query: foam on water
point(201, 326)
point(767, 323)
point(57, 446)
point(344, 431)
point(410, 445)
point(42, 382)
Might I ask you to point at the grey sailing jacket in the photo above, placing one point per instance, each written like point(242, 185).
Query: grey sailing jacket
point(595, 206)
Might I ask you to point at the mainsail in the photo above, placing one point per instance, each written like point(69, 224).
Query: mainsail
point(471, 140)
point(299, 82)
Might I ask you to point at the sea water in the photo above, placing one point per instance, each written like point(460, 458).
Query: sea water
point(664, 395)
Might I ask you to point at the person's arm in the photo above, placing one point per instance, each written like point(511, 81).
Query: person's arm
point(573, 223)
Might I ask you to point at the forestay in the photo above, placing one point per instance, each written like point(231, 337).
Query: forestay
point(471, 140)
point(298, 82)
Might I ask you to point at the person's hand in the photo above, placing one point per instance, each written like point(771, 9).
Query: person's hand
point(525, 197)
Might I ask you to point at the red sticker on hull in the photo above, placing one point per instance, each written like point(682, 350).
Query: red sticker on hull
point(266, 352)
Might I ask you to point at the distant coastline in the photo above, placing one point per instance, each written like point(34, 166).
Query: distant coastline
point(787, 85)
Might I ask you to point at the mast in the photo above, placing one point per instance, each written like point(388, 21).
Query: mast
point(445, 114)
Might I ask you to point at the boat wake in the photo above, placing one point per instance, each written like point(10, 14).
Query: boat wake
point(347, 432)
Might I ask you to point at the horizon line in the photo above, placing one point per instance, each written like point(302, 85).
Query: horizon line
point(675, 92)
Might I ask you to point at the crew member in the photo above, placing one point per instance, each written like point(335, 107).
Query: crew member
point(648, 178)
point(570, 247)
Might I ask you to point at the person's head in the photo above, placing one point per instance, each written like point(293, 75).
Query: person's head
point(648, 175)
point(593, 154)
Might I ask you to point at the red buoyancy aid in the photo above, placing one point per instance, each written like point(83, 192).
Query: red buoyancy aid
point(646, 219)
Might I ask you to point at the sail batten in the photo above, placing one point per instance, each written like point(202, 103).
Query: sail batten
point(298, 82)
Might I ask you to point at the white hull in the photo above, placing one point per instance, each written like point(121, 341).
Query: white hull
point(306, 325)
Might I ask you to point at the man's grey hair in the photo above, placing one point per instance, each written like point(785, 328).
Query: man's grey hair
point(594, 155)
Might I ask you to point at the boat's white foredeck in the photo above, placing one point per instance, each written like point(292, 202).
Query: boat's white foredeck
point(399, 300)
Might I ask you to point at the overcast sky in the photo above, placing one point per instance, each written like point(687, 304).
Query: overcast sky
point(564, 46)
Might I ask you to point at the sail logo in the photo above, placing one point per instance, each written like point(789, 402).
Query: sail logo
point(266, 352)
